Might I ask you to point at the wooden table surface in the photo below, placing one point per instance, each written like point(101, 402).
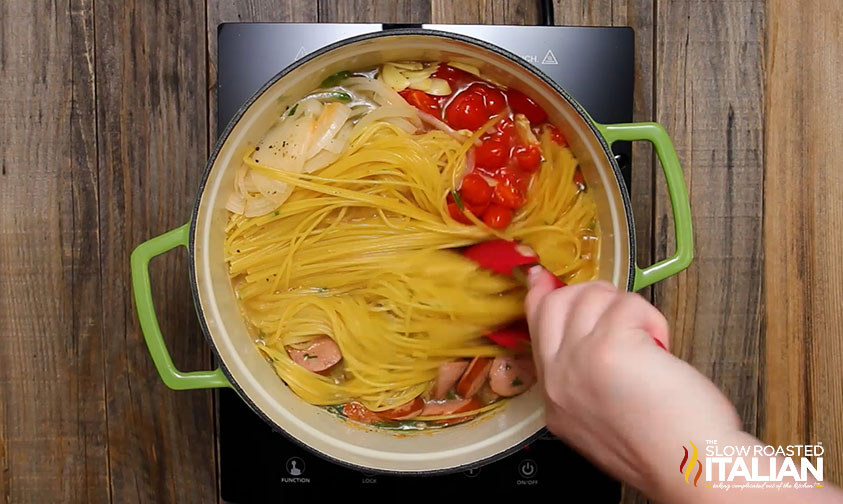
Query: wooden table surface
point(106, 120)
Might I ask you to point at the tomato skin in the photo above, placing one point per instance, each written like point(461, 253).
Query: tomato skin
point(466, 111)
point(558, 137)
point(528, 158)
point(507, 193)
point(475, 190)
point(497, 216)
point(493, 98)
point(523, 104)
point(456, 214)
point(454, 76)
point(579, 180)
point(492, 153)
point(422, 101)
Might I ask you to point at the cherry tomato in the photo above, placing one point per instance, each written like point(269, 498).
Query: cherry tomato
point(457, 214)
point(422, 101)
point(454, 76)
point(523, 104)
point(466, 111)
point(507, 193)
point(528, 158)
point(492, 97)
point(475, 190)
point(492, 153)
point(558, 137)
point(579, 180)
point(497, 216)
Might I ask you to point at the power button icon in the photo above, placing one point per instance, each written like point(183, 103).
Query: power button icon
point(527, 469)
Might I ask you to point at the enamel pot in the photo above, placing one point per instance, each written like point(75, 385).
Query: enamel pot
point(242, 367)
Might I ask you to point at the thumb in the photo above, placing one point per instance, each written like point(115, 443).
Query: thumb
point(541, 283)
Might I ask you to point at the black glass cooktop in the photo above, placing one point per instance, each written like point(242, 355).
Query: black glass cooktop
point(594, 64)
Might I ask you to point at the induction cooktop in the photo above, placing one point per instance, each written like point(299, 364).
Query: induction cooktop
point(257, 464)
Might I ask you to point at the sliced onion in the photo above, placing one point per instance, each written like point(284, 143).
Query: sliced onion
point(320, 160)
point(407, 65)
point(402, 124)
point(465, 67)
point(260, 205)
point(332, 119)
point(439, 87)
point(236, 203)
point(383, 94)
point(438, 124)
point(385, 112)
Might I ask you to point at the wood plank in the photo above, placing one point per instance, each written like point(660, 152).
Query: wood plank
point(374, 11)
point(518, 12)
point(803, 387)
point(52, 404)
point(709, 97)
point(152, 110)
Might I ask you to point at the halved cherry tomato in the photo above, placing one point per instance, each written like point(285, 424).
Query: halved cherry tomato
point(507, 193)
point(492, 153)
point(422, 101)
point(475, 190)
point(492, 97)
point(457, 215)
point(405, 411)
point(579, 180)
point(558, 137)
point(528, 158)
point(466, 111)
point(360, 413)
point(497, 216)
point(474, 377)
point(454, 76)
point(523, 104)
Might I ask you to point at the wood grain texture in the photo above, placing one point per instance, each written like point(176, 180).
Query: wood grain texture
point(52, 400)
point(516, 12)
point(709, 97)
point(151, 110)
point(374, 11)
point(803, 386)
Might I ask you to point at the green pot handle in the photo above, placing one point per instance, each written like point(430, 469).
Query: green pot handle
point(684, 254)
point(172, 377)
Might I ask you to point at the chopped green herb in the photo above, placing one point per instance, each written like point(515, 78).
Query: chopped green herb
point(335, 79)
point(457, 199)
point(517, 382)
point(277, 213)
point(340, 95)
point(308, 356)
point(592, 225)
point(293, 110)
point(451, 395)
point(336, 409)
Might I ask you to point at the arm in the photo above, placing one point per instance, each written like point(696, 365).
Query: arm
point(627, 404)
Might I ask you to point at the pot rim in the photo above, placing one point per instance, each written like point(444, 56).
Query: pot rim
point(223, 137)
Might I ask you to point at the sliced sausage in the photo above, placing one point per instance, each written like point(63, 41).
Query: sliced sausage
point(474, 377)
point(358, 412)
point(405, 411)
point(439, 408)
point(449, 373)
point(510, 375)
point(321, 354)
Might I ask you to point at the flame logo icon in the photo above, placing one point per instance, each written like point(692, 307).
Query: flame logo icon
point(687, 469)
